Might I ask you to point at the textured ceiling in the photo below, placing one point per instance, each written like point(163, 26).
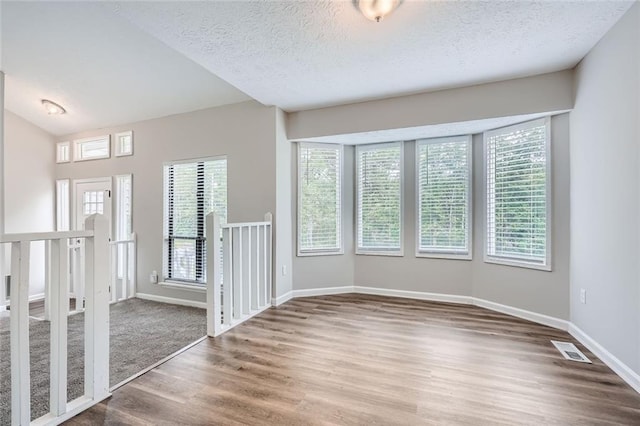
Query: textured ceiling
point(306, 54)
point(111, 63)
point(101, 68)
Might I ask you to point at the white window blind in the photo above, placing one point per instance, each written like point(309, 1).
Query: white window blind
point(444, 196)
point(517, 194)
point(319, 199)
point(192, 190)
point(379, 198)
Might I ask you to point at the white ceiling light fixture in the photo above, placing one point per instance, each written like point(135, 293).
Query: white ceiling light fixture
point(376, 10)
point(52, 107)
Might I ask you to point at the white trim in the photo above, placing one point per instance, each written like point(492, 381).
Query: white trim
point(197, 288)
point(63, 204)
point(77, 150)
point(63, 152)
point(488, 258)
point(444, 255)
point(33, 298)
point(435, 253)
point(419, 295)
point(322, 291)
point(74, 408)
point(620, 368)
point(171, 300)
point(118, 144)
point(226, 328)
point(336, 251)
point(194, 160)
point(74, 199)
point(368, 251)
point(543, 319)
point(277, 301)
point(516, 263)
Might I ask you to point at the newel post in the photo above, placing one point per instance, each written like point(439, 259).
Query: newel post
point(214, 276)
point(96, 316)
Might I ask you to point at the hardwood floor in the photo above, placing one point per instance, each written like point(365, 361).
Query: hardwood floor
point(358, 359)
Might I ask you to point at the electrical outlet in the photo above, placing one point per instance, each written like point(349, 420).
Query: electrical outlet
point(583, 296)
point(153, 278)
point(284, 270)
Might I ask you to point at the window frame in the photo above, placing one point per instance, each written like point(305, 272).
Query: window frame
point(443, 254)
point(77, 150)
point(365, 251)
point(63, 205)
point(321, 252)
point(176, 282)
point(507, 261)
point(63, 152)
point(118, 142)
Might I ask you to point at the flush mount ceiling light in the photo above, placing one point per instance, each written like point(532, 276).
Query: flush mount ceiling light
point(52, 107)
point(376, 10)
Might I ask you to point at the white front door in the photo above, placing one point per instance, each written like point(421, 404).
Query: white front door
point(91, 196)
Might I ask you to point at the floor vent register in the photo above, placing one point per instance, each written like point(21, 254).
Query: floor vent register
point(570, 352)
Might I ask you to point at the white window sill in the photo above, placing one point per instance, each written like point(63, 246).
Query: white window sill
point(183, 286)
point(517, 263)
point(449, 256)
point(320, 253)
point(380, 253)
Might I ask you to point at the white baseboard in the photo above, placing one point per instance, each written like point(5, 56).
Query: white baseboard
point(524, 314)
point(171, 300)
point(420, 295)
point(33, 298)
point(620, 368)
point(323, 291)
point(277, 301)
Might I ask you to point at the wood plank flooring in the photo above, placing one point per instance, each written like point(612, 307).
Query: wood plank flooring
point(368, 360)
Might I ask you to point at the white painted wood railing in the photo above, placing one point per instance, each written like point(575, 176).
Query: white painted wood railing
point(238, 272)
point(123, 269)
point(96, 321)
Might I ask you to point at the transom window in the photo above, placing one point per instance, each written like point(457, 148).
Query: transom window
point(192, 190)
point(518, 189)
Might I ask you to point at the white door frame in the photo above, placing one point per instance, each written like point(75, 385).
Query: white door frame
point(74, 185)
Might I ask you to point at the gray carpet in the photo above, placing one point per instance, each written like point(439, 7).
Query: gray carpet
point(142, 333)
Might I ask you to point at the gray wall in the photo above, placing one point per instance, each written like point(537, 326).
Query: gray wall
point(533, 290)
point(29, 197)
point(409, 272)
point(605, 192)
point(541, 93)
point(310, 272)
point(245, 132)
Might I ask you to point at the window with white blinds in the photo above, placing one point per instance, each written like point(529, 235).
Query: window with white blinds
point(444, 197)
point(518, 190)
point(319, 199)
point(379, 199)
point(192, 190)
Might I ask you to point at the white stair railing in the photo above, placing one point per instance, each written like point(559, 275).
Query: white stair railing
point(96, 321)
point(238, 272)
point(123, 269)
